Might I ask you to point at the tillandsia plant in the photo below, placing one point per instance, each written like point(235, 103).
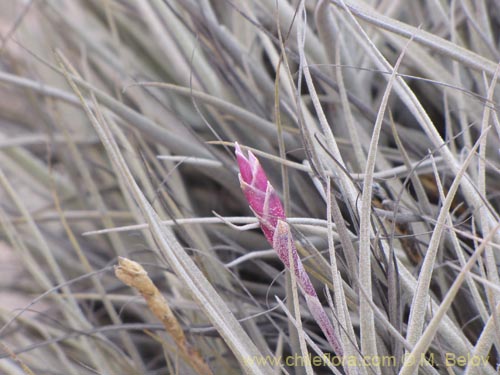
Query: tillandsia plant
point(267, 207)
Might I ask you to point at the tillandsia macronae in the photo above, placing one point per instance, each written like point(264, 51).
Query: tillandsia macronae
point(266, 205)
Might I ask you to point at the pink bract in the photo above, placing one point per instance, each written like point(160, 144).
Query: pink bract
point(260, 194)
point(267, 207)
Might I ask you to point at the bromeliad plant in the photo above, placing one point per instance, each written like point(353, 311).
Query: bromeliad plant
point(267, 207)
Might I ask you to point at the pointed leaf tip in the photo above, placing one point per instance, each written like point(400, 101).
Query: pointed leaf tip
point(237, 148)
point(243, 164)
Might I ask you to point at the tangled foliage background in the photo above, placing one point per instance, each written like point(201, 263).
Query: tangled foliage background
point(375, 121)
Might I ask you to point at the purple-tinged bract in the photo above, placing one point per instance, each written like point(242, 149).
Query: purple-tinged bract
point(267, 207)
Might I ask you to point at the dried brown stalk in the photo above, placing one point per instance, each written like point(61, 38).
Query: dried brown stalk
point(13, 355)
point(134, 275)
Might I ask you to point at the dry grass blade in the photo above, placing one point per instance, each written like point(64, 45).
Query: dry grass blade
point(438, 44)
point(430, 330)
point(134, 275)
point(419, 303)
point(368, 335)
point(24, 367)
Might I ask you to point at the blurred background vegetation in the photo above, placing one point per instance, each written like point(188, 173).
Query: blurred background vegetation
point(375, 121)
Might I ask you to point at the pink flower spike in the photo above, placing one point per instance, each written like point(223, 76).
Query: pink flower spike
point(250, 169)
point(267, 207)
point(261, 196)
